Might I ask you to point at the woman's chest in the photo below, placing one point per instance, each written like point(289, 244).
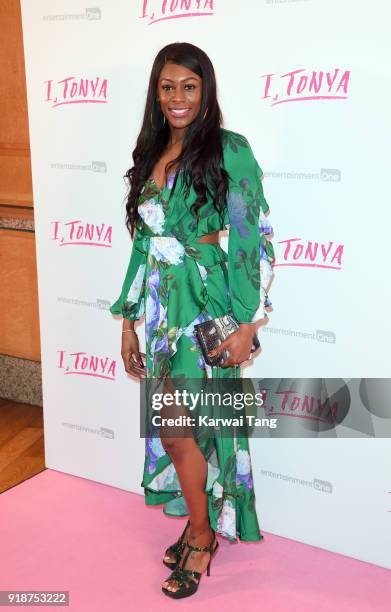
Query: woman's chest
point(158, 174)
point(167, 213)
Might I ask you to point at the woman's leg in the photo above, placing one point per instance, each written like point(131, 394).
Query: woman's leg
point(192, 470)
point(188, 459)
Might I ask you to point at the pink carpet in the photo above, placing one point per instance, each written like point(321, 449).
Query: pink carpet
point(104, 546)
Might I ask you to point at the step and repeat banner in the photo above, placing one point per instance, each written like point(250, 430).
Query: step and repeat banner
point(307, 82)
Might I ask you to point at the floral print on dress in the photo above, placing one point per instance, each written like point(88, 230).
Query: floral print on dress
point(226, 523)
point(178, 284)
point(237, 210)
point(167, 249)
point(152, 214)
point(155, 451)
point(136, 286)
point(243, 469)
point(170, 180)
point(152, 307)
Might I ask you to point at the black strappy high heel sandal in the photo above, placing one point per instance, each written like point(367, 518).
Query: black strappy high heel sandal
point(189, 580)
point(176, 550)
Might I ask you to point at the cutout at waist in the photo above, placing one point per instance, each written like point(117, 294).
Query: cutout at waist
point(213, 237)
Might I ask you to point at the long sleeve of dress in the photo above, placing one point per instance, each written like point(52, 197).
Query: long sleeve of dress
point(250, 252)
point(130, 303)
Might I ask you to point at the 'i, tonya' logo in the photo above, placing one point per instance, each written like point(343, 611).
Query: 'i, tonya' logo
point(88, 365)
point(311, 254)
point(304, 405)
point(295, 86)
point(76, 232)
point(76, 91)
point(161, 10)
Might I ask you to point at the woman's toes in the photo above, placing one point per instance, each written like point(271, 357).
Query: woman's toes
point(167, 585)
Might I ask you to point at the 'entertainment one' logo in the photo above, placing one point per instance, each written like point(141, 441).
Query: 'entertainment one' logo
point(90, 14)
point(297, 86)
point(323, 335)
point(72, 90)
point(329, 175)
point(94, 166)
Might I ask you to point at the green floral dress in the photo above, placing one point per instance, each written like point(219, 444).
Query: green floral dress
point(177, 283)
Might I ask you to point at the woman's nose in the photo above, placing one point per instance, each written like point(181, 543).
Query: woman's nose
point(178, 95)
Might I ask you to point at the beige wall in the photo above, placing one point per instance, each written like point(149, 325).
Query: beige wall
point(19, 324)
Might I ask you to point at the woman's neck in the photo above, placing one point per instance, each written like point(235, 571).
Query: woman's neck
point(176, 137)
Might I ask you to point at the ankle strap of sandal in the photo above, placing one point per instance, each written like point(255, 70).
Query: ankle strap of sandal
point(209, 548)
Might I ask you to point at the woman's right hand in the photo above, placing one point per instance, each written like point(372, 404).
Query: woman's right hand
point(130, 352)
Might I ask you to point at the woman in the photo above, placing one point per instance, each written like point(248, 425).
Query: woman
point(190, 179)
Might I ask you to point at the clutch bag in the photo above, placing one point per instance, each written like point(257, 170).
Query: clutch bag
point(212, 333)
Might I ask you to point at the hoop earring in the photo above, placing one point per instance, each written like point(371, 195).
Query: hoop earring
point(205, 114)
point(163, 124)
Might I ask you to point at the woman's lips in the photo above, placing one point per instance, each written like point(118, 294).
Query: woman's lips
point(179, 112)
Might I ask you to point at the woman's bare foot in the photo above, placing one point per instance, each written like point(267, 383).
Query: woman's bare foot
point(197, 560)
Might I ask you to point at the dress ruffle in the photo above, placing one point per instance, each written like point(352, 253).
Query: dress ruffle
point(177, 270)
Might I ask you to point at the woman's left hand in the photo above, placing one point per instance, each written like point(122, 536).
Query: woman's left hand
point(238, 344)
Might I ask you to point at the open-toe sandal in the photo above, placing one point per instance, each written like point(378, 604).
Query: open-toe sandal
point(189, 580)
point(176, 550)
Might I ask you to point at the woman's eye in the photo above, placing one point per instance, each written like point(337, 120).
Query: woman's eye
point(167, 87)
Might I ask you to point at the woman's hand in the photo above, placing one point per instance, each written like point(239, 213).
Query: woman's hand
point(130, 352)
point(238, 344)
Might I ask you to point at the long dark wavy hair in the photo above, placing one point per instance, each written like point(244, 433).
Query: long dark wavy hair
point(200, 160)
